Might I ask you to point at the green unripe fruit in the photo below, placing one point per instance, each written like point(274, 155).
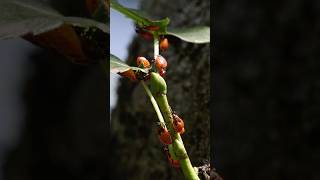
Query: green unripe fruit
point(157, 84)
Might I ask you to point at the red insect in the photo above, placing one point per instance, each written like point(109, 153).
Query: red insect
point(162, 72)
point(178, 124)
point(174, 162)
point(145, 34)
point(143, 61)
point(151, 28)
point(160, 62)
point(129, 74)
point(164, 135)
point(164, 44)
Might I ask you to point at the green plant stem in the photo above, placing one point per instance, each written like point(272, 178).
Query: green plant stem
point(153, 101)
point(178, 146)
point(156, 44)
point(188, 170)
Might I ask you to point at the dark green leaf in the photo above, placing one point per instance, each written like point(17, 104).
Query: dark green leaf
point(118, 66)
point(140, 13)
point(200, 34)
point(140, 17)
point(129, 13)
point(21, 17)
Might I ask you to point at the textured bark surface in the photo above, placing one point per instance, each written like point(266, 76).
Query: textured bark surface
point(267, 89)
point(136, 144)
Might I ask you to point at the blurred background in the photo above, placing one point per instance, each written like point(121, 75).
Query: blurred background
point(123, 31)
point(53, 115)
point(13, 73)
point(266, 84)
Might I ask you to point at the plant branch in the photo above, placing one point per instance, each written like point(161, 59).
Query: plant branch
point(153, 101)
point(178, 147)
point(156, 44)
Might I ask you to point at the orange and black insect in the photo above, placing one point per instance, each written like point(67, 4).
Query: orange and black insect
point(151, 28)
point(164, 135)
point(160, 62)
point(143, 33)
point(173, 162)
point(164, 44)
point(178, 123)
point(162, 72)
point(142, 61)
point(129, 74)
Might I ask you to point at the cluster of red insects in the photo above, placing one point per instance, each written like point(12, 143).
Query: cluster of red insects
point(160, 64)
point(159, 61)
point(174, 163)
point(164, 134)
point(165, 137)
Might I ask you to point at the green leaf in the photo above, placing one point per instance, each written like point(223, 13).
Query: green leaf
point(140, 13)
point(21, 17)
point(118, 66)
point(199, 34)
point(81, 40)
point(140, 17)
point(132, 14)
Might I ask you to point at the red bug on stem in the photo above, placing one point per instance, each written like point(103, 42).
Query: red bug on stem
point(145, 34)
point(143, 61)
point(162, 72)
point(151, 28)
point(164, 135)
point(178, 124)
point(164, 44)
point(129, 74)
point(173, 162)
point(161, 64)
